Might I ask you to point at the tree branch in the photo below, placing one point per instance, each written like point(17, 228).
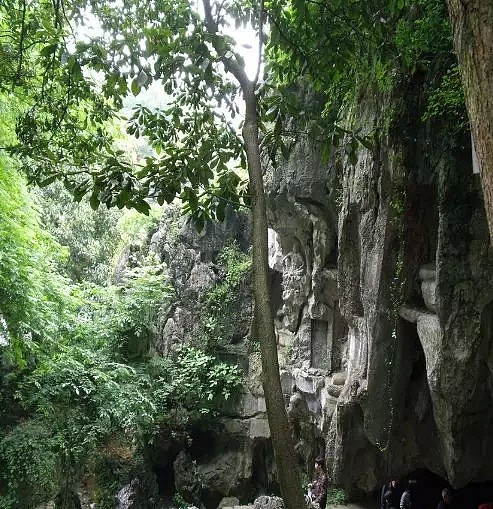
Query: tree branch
point(230, 64)
point(21, 41)
point(65, 15)
point(235, 204)
point(260, 42)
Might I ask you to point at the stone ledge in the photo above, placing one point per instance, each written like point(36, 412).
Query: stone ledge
point(411, 314)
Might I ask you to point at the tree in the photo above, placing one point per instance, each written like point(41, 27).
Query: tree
point(472, 22)
point(264, 320)
point(66, 136)
point(91, 236)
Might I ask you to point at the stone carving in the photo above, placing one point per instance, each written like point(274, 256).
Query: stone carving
point(406, 380)
point(383, 276)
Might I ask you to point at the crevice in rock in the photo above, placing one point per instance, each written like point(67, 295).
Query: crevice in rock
point(165, 476)
point(330, 261)
point(275, 285)
point(349, 263)
point(339, 341)
point(163, 457)
point(263, 480)
point(300, 319)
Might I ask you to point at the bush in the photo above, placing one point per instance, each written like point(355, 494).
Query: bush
point(223, 312)
point(29, 472)
point(336, 496)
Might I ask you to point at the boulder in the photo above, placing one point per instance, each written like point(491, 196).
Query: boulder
point(228, 502)
point(266, 502)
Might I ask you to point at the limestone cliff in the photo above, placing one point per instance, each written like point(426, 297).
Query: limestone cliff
point(382, 285)
point(386, 288)
point(235, 458)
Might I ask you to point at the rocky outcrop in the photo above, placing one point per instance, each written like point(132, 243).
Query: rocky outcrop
point(192, 262)
point(384, 300)
point(234, 459)
point(382, 287)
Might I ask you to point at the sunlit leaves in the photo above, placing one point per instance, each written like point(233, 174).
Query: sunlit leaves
point(67, 132)
point(33, 296)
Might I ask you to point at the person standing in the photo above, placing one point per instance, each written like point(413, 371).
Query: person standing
point(447, 501)
point(406, 498)
point(391, 495)
point(317, 492)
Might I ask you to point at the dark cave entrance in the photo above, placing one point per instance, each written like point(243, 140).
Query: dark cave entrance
point(474, 494)
point(263, 480)
point(165, 476)
point(426, 489)
point(161, 461)
point(415, 402)
point(206, 444)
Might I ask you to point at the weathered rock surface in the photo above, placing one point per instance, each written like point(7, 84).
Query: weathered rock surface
point(236, 459)
point(382, 287)
point(191, 258)
point(228, 502)
point(404, 387)
point(265, 502)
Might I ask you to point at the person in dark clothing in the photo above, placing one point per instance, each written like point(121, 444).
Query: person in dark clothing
point(447, 501)
point(406, 499)
point(317, 492)
point(390, 495)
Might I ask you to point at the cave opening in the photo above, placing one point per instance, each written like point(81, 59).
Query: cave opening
point(210, 498)
point(475, 494)
point(426, 488)
point(416, 404)
point(204, 446)
point(263, 480)
point(165, 476)
point(161, 461)
point(331, 257)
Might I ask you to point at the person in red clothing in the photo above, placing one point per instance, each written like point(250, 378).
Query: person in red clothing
point(317, 490)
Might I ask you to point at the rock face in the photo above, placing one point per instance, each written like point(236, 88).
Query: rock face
point(382, 287)
point(192, 261)
point(384, 301)
point(236, 459)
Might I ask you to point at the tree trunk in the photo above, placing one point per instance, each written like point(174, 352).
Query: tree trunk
point(286, 463)
point(287, 466)
point(472, 24)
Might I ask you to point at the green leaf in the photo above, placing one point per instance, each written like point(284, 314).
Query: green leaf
point(142, 206)
point(48, 50)
point(94, 200)
point(221, 210)
point(285, 151)
point(135, 87)
point(366, 142)
point(353, 157)
point(48, 181)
